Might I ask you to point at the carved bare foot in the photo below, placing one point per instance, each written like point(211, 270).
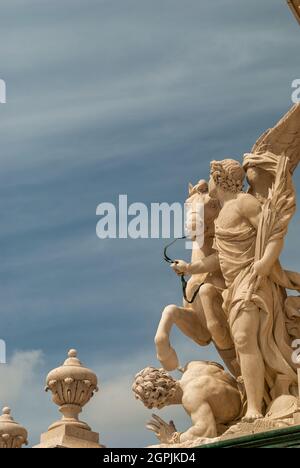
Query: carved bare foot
point(251, 416)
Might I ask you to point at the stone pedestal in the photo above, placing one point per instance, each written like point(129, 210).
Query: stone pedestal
point(69, 437)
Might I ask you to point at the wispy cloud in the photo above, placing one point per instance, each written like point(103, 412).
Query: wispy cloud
point(128, 97)
point(113, 411)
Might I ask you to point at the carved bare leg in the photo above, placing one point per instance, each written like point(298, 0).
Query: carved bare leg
point(165, 353)
point(245, 331)
point(218, 327)
point(189, 322)
point(215, 317)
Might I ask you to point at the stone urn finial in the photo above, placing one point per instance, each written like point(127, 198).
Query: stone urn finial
point(12, 434)
point(72, 386)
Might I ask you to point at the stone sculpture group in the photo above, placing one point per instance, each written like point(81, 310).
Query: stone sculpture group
point(242, 306)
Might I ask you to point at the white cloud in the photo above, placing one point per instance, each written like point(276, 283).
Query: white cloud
point(18, 375)
point(113, 412)
point(21, 388)
point(146, 77)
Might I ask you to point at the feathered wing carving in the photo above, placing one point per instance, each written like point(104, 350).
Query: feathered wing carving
point(278, 152)
point(282, 140)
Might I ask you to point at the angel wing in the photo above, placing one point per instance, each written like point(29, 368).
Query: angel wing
point(282, 140)
point(278, 152)
point(295, 7)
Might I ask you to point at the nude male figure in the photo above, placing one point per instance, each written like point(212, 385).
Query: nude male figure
point(207, 393)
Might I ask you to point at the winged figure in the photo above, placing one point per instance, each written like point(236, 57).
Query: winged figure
point(250, 233)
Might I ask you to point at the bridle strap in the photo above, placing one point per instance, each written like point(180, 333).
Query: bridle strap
point(166, 258)
point(182, 278)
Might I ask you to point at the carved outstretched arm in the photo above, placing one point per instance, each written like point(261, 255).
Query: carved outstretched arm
point(208, 264)
point(204, 426)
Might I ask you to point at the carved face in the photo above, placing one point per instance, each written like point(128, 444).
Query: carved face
point(257, 175)
point(212, 188)
point(201, 220)
point(252, 175)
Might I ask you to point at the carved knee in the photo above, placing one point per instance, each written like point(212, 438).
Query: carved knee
point(241, 340)
point(207, 291)
point(170, 311)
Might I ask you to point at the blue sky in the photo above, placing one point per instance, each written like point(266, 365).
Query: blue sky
point(114, 97)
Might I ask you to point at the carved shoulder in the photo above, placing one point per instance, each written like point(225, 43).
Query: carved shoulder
point(248, 206)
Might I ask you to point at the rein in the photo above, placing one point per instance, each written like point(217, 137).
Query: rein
point(182, 278)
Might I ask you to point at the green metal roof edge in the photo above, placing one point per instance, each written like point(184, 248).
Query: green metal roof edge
point(276, 437)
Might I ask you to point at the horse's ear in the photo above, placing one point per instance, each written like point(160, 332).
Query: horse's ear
point(202, 186)
point(191, 188)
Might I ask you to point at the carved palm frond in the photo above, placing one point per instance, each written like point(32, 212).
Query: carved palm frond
point(280, 206)
point(276, 214)
point(283, 139)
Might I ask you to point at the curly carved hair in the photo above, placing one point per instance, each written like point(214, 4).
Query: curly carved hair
point(154, 387)
point(228, 174)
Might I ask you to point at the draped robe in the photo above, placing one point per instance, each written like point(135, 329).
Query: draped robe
point(236, 248)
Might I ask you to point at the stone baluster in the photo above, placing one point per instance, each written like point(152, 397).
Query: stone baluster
point(72, 386)
point(12, 434)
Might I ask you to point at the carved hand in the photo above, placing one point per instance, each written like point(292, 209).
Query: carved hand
point(262, 269)
point(180, 267)
point(162, 430)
